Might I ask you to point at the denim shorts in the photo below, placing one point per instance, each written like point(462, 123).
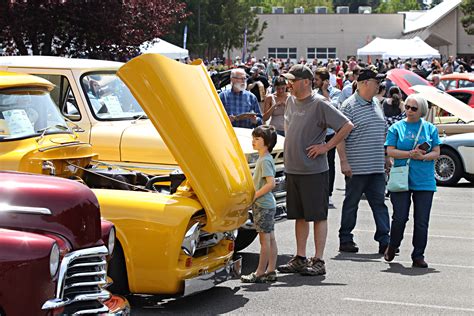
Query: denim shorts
point(264, 219)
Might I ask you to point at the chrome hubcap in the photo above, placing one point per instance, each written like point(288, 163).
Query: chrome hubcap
point(444, 168)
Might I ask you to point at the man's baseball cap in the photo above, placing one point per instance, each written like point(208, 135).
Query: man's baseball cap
point(367, 73)
point(299, 71)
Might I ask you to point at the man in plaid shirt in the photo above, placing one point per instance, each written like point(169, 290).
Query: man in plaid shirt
point(241, 105)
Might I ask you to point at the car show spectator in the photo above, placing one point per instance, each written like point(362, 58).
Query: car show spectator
point(363, 162)
point(380, 96)
point(321, 83)
point(437, 82)
point(257, 83)
point(306, 118)
point(275, 105)
point(264, 139)
point(348, 90)
point(420, 157)
point(241, 106)
point(393, 106)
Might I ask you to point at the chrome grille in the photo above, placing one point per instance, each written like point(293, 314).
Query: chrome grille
point(82, 275)
point(277, 157)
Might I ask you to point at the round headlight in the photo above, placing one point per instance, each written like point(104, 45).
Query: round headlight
point(54, 260)
point(111, 243)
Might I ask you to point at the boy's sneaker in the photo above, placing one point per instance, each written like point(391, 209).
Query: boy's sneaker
point(295, 265)
point(315, 266)
point(253, 278)
point(271, 276)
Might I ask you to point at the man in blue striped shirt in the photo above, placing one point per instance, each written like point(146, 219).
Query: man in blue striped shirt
point(241, 105)
point(363, 162)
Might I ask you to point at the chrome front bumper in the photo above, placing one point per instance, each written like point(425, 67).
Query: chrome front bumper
point(206, 281)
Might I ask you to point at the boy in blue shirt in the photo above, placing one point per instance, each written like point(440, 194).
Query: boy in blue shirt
point(263, 140)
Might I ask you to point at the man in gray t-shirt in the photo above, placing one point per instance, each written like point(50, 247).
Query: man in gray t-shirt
point(307, 117)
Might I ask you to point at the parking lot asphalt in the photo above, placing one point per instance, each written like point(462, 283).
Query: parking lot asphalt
point(361, 283)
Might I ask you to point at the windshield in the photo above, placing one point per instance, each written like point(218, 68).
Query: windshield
point(28, 112)
point(109, 98)
point(414, 80)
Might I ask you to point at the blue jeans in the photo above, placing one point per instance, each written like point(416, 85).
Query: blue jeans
point(401, 201)
point(373, 185)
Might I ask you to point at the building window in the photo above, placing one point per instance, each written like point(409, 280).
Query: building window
point(321, 53)
point(282, 53)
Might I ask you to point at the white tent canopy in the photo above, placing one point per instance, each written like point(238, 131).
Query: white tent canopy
point(164, 48)
point(403, 48)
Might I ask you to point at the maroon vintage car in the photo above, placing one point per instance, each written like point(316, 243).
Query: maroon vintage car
point(53, 249)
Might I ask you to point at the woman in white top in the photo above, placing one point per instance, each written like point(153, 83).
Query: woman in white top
point(274, 106)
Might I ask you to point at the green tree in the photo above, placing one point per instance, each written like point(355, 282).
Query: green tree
point(394, 6)
point(467, 7)
point(106, 29)
point(217, 26)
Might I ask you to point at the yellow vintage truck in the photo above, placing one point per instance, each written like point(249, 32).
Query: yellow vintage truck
point(100, 108)
point(175, 232)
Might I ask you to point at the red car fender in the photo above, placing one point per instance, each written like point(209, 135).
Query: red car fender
point(24, 264)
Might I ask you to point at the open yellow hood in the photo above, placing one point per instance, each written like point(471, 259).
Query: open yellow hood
point(185, 109)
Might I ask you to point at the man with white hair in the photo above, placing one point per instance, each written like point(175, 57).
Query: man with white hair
point(241, 105)
point(437, 82)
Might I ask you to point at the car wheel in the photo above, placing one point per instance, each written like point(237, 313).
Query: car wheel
point(448, 167)
point(118, 272)
point(245, 238)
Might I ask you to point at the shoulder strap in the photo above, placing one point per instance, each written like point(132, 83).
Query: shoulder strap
point(418, 135)
point(416, 139)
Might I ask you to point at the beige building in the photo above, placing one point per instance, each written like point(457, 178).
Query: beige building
point(325, 36)
point(441, 28)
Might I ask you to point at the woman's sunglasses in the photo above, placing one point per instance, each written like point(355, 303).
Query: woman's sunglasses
point(413, 108)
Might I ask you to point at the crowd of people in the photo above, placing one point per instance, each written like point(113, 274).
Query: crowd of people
point(344, 106)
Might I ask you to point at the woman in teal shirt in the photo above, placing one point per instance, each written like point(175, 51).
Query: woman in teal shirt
point(421, 181)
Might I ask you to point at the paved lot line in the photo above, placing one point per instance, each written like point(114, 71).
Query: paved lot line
point(429, 235)
point(409, 304)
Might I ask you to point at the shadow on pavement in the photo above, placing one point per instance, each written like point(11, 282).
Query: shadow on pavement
point(250, 262)
point(202, 303)
point(401, 269)
point(358, 257)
